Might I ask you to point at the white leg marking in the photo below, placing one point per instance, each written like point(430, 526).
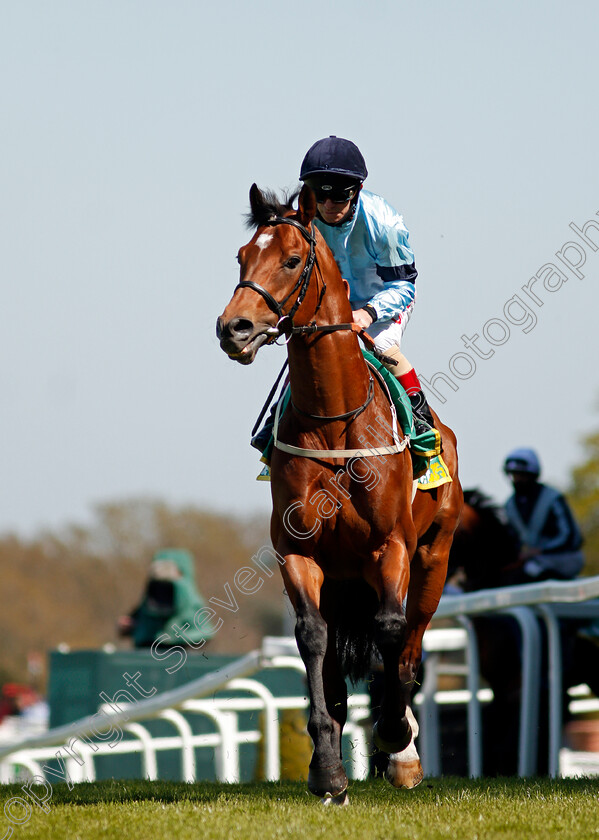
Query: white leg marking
point(410, 753)
point(412, 721)
point(341, 799)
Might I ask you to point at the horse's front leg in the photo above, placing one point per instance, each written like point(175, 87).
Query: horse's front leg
point(303, 581)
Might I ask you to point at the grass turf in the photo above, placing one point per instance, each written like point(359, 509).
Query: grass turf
point(459, 809)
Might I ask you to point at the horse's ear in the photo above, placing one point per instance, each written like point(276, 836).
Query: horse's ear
point(306, 205)
point(256, 202)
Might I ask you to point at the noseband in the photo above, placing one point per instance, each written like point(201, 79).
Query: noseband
point(303, 281)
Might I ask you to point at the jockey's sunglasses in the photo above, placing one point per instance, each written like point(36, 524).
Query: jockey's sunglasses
point(336, 195)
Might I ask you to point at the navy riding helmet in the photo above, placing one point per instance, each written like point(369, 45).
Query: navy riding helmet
point(334, 167)
point(523, 460)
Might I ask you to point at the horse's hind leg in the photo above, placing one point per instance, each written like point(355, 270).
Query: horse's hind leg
point(427, 578)
point(389, 577)
point(404, 769)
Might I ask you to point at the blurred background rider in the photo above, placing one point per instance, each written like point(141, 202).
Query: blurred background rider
point(551, 540)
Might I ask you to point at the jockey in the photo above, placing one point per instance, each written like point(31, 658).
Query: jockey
point(551, 540)
point(369, 241)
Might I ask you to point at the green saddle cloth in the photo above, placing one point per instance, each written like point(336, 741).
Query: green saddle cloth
point(423, 446)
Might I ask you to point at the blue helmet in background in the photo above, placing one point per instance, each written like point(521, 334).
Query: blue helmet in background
point(523, 460)
point(334, 156)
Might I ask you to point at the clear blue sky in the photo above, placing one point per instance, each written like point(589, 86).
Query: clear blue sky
point(131, 132)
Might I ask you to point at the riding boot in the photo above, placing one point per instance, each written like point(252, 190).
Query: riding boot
point(423, 419)
point(262, 438)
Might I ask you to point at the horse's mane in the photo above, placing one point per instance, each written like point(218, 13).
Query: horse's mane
point(271, 206)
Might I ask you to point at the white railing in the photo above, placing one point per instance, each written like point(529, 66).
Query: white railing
point(79, 745)
point(527, 604)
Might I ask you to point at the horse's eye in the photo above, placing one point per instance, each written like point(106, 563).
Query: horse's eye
point(238, 258)
point(292, 262)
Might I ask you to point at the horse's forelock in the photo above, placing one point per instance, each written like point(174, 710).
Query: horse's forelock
point(269, 206)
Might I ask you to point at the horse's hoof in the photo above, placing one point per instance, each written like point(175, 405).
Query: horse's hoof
point(390, 746)
point(342, 799)
point(404, 774)
point(327, 781)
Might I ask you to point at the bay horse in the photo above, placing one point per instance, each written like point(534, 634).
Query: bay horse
point(363, 567)
point(485, 549)
point(485, 554)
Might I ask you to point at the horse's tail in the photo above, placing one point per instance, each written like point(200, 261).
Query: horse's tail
point(350, 606)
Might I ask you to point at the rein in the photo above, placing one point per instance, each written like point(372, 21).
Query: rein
point(347, 415)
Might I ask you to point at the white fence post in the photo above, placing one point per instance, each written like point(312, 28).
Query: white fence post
point(475, 728)
point(528, 738)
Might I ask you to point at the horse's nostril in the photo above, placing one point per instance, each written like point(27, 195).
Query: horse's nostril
point(241, 327)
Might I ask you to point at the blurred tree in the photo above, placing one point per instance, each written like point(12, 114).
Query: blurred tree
point(71, 586)
point(583, 495)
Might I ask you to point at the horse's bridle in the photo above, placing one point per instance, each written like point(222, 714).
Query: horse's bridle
point(286, 325)
point(302, 283)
